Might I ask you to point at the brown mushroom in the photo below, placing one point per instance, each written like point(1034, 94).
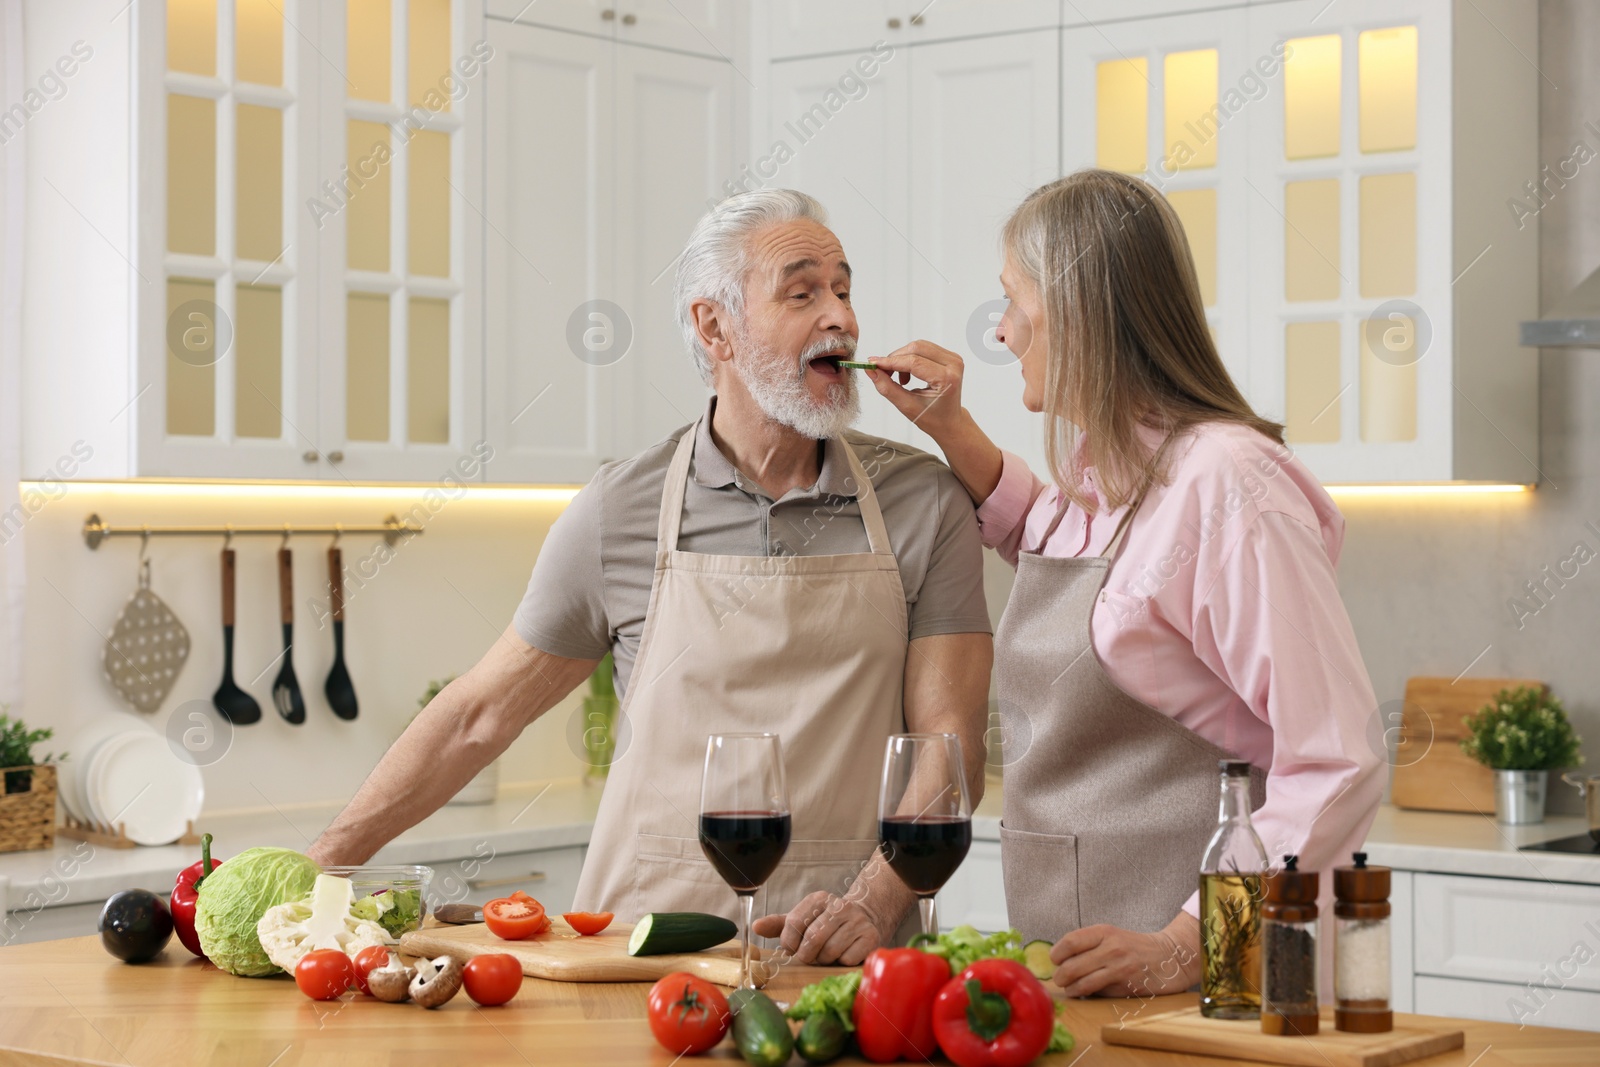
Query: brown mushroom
point(392, 981)
point(436, 982)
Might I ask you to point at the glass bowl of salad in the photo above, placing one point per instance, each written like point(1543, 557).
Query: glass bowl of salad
point(394, 897)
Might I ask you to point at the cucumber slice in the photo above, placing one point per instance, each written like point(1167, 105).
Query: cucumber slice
point(855, 364)
point(662, 932)
point(1036, 956)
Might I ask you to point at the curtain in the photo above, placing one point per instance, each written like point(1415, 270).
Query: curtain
point(11, 223)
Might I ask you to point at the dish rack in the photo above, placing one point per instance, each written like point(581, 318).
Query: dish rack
point(99, 833)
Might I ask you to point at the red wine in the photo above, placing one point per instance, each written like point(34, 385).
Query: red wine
point(744, 846)
point(925, 851)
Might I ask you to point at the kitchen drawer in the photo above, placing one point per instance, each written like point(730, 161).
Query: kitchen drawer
point(24, 926)
point(550, 874)
point(1501, 1002)
point(1507, 930)
point(976, 893)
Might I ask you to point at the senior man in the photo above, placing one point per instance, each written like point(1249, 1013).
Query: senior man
point(761, 569)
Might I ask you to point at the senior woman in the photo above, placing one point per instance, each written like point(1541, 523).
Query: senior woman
point(1175, 599)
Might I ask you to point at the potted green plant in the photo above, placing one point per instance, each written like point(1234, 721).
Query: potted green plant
point(1522, 735)
point(28, 801)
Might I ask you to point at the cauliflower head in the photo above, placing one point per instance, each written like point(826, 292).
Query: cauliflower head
point(322, 920)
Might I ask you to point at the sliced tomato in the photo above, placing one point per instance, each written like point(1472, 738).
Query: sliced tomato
point(493, 978)
point(588, 922)
point(514, 919)
point(366, 961)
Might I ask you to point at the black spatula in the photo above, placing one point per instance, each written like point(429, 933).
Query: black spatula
point(340, 692)
point(235, 705)
point(286, 687)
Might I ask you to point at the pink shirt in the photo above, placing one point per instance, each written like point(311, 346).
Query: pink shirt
point(1223, 611)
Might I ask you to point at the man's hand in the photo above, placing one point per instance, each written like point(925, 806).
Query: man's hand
point(1112, 962)
point(824, 928)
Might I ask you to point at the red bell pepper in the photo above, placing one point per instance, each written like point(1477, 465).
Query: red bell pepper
point(187, 891)
point(893, 1011)
point(993, 1014)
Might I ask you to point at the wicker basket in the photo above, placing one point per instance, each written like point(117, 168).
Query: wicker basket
point(28, 820)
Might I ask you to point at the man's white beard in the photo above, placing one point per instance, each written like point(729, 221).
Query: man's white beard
point(784, 398)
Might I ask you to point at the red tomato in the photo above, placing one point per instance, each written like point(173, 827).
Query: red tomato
point(514, 919)
point(688, 1015)
point(588, 922)
point(493, 978)
point(324, 974)
point(368, 960)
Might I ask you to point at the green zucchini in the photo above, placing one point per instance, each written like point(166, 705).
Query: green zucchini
point(820, 1039)
point(1036, 956)
point(760, 1031)
point(662, 932)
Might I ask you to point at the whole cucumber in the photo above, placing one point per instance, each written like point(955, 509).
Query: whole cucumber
point(821, 1039)
point(760, 1031)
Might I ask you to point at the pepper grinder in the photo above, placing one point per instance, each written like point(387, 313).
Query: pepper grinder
point(1289, 952)
point(1361, 948)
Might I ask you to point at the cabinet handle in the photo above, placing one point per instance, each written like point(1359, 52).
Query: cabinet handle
point(336, 456)
point(629, 20)
point(894, 24)
point(490, 883)
point(607, 15)
point(309, 455)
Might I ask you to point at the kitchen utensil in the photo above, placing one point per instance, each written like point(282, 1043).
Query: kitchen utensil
point(138, 782)
point(563, 956)
point(745, 823)
point(286, 687)
point(147, 647)
point(924, 814)
point(233, 703)
point(1186, 1030)
point(338, 688)
point(458, 914)
point(1589, 787)
point(1430, 770)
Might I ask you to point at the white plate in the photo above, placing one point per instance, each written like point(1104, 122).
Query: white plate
point(94, 770)
point(137, 781)
point(74, 776)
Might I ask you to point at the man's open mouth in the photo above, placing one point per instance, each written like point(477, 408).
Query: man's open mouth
point(828, 363)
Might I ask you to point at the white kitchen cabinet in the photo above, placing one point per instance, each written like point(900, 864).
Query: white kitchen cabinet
point(823, 27)
point(976, 894)
point(584, 359)
point(550, 875)
point(1502, 1002)
point(1508, 930)
point(701, 27)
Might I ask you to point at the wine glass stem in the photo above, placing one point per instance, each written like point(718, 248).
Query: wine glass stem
point(747, 903)
point(930, 921)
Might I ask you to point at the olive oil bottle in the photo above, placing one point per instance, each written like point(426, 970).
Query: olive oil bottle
point(1230, 905)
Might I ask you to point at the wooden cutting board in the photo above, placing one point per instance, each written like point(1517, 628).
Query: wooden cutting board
point(1431, 772)
point(1187, 1030)
point(561, 955)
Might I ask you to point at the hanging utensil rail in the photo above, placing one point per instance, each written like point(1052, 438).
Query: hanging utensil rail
point(96, 529)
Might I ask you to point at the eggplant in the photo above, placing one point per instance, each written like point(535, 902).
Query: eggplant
point(135, 925)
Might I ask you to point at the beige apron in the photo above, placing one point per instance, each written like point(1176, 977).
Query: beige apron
point(1109, 803)
point(812, 648)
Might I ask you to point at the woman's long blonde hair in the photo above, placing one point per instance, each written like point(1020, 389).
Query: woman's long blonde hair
point(1128, 342)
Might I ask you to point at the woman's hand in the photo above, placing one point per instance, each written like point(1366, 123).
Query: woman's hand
point(1112, 962)
point(934, 409)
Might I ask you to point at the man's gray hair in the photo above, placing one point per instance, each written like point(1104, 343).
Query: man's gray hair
point(715, 261)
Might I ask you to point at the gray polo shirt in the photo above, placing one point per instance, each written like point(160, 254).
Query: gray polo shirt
point(591, 583)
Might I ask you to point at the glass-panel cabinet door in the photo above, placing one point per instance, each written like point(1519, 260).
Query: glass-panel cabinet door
point(226, 104)
point(401, 394)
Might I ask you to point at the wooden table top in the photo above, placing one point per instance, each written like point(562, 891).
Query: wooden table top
point(69, 1002)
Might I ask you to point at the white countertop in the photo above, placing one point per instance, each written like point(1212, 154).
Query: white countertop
point(523, 817)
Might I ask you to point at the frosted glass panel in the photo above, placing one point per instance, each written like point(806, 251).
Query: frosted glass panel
point(1311, 97)
point(1389, 234)
point(1389, 382)
point(428, 372)
point(1311, 240)
point(1311, 382)
point(367, 216)
point(1388, 61)
point(429, 33)
point(191, 358)
point(191, 175)
point(366, 363)
point(258, 373)
point(259, 183)
point(429, 197)
point(367, 49)
point(259, 32)
point(1122, 114)
point(192, 36)
point(1197, 208)
point(1191, 109)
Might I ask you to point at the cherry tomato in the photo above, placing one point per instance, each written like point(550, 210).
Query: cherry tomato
point(688, 1015)
point(493, 978)
point(588, 922)
point(514, 919)
point(324, 974)
point(368, 960)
